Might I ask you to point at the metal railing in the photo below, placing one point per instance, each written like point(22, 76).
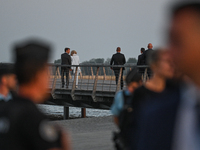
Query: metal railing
point(93, 78)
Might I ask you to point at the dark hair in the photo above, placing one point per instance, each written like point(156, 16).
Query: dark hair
point(118, 49)
point(142, 49)
point(194, 5)
point(66, 49)
point(31, 58)
point(133, 76)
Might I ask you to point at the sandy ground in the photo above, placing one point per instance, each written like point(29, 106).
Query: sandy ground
point(90, 133)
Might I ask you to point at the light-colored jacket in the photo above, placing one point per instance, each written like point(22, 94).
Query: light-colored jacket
point(75, 61)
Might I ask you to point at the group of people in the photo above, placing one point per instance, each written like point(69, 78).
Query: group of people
point(66, 59)
point(163, 113)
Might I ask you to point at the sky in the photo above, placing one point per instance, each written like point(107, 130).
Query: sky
point(94, 28)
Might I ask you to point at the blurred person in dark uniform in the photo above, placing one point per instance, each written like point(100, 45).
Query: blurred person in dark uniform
point(184, 46)
point(65, 60)
point(155, 106)
point(118, 59)
point(141, 60)
point(22, 125)
point(7, 82)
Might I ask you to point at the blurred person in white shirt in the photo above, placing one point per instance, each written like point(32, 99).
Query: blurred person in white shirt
point(75, 61)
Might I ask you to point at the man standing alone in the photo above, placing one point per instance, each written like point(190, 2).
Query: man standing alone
point(65, 60)
point(141, 60)
point(118, 59)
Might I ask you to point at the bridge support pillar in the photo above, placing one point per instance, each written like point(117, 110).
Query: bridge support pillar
point(83, 112)
point(66, 113)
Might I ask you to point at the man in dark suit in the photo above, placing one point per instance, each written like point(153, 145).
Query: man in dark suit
point(118, 59)
point(146, 55)
point(65, 60)
point(141, 60)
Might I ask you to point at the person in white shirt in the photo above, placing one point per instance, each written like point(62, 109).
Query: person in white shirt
point(75, 61)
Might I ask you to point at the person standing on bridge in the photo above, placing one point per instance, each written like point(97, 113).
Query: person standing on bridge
point(75, 61)
point(118, 59)
point(22, 125)
point(65, 60)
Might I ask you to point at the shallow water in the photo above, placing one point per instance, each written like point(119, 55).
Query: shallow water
point(73, 111)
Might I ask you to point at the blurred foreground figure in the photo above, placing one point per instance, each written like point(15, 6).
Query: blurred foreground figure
point(121, 109)
point(22, 125)
point(184, 47)
point(7, 82)
point(155, 106)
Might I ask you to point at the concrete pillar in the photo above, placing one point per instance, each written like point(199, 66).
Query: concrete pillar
point(66, 113)
point(83, 112)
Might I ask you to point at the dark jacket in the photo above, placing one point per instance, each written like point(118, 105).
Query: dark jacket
point(65, 60)
point(141, 60)
point(147, 53)
point(118, 59)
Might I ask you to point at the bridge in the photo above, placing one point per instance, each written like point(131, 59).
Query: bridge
point(96, 86)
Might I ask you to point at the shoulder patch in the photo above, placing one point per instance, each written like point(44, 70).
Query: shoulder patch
point(48, 131)
point(4, 125)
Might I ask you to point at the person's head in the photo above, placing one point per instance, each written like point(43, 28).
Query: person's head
point(149, 46)
point(133, 80)
point(67, 50)
point(73, 52)
point(32, 69)
point(161, 64)
point(118, 50)
point(7, 77)
point(184, 38)
point(142, 50)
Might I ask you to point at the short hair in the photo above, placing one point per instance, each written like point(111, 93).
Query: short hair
point(66, 49)
point(118, 49)
point(142, 49)
point(133, 76)
point(6, 69)
point(31, 57)
point(73, 52)
point(194, 5)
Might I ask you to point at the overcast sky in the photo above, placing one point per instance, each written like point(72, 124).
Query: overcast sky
point(94, 28)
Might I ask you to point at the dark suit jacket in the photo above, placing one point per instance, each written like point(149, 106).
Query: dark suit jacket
point(65, 60)
point(154, 118)
point(140, 60)
point(147, 53)
point(118, 59)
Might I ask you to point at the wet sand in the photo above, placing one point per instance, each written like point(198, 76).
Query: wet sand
point(90, 133)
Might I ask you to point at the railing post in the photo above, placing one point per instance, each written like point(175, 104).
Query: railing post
point(119, 80)
point(92, 73)
point(104, 72)
point(54, 82)
point(145, 76)
point(95, 85)
point(74, 84)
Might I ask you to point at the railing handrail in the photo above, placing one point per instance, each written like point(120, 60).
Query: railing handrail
point(98, 65)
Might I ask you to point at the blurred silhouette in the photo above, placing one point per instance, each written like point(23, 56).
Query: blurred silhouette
point(146, 55)
point(23, 126)
point(155, 106)
point(118, 59)
point(184, 47)
point(121, 108)
point(141, 60)
point(75, 61)
point(7, 82)
point(65, 60)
